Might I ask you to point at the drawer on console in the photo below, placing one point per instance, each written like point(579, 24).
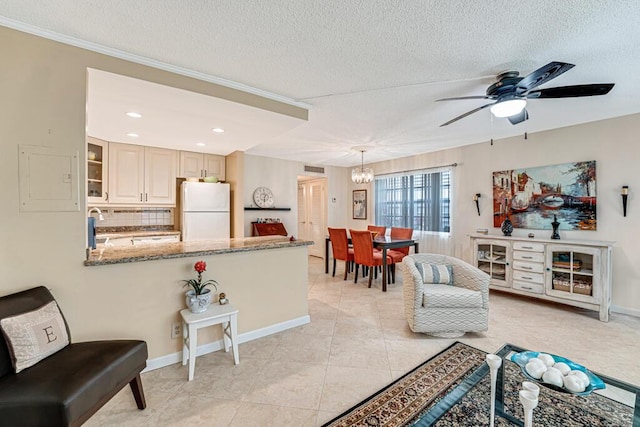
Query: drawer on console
point(528, 246)
point(535, 288)
point(534, 267)
point(528, 256)
point(528, 277)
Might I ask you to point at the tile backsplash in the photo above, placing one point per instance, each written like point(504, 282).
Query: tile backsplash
point(135, 217)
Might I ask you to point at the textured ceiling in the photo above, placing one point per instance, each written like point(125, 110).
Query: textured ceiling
point(371, 70)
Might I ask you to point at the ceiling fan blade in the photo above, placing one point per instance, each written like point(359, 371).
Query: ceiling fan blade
point(520, 117)
point(468, 113)
point(466, 97)
point(542, 75)
point(571, 91)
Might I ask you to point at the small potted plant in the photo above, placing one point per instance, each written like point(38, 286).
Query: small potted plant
point(199, 297)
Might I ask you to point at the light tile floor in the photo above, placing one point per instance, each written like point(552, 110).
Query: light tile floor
point(356, 343)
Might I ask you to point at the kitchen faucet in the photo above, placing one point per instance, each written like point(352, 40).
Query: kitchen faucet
point(100, 217)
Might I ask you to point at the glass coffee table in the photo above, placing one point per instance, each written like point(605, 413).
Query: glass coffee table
point(468, 403)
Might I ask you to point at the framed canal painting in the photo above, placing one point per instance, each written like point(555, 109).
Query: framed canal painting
point(531, 197)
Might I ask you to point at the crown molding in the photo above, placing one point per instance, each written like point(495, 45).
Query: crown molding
point(138, 59)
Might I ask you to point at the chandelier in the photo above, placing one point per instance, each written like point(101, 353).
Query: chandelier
point(362, 175)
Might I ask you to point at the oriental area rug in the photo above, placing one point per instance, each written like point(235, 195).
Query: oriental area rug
point(410, 400)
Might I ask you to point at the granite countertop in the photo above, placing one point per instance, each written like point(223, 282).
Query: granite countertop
point(156, 251)
point(120, 234)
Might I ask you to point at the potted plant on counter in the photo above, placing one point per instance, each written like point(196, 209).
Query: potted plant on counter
point(199, 297)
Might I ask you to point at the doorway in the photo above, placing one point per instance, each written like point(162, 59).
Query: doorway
point(312, 212)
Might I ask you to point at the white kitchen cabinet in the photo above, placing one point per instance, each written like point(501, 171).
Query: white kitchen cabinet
point(97, 171)
point(160, 171)
point(574, 272)
point(199, 165)
point(126, 177)
point(142, 175)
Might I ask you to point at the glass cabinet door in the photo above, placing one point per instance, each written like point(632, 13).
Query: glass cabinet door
point(96, 172)
point(492, 258)
point(573, 273)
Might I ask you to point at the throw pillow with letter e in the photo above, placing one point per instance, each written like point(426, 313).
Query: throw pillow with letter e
point(34, 335)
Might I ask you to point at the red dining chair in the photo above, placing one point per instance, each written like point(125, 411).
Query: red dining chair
point(364, 254)
point(380, 229)
point(400, 233)
point(341, 249)
point(398, 254)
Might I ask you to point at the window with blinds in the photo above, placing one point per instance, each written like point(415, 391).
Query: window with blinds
point(418, 200)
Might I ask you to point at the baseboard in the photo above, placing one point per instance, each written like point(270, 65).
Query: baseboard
point(173, 358)
point(624, 310)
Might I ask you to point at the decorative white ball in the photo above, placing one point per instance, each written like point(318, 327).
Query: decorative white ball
point(553, 376)
point(573, 383)
point(583, 377)
point(562, 367)
point(534, 369)
point(547, 359)
point(536, 361)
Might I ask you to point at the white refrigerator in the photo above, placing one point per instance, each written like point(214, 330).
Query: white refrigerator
point(205, 211)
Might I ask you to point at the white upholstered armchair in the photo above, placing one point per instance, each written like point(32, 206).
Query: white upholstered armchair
point(445, 310)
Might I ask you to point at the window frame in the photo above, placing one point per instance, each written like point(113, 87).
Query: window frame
point(413, 205)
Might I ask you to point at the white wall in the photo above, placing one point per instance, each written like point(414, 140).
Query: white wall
point(612, 143)
point(281, 176)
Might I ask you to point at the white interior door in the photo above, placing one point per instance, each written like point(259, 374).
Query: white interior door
point(312, 214)
point(317, 216)
point(303, 231)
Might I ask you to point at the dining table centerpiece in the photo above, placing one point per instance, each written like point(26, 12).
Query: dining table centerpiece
point(199, 297)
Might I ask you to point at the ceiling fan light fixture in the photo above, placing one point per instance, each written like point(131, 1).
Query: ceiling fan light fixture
point(362, 175)
point(508, 108)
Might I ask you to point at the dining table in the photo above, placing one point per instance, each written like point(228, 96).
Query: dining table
point(379, 242)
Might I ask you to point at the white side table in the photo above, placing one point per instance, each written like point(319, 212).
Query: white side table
point(227, 315)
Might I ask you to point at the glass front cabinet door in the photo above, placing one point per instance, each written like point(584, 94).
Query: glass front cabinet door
point(494, 258)
point(97, 178)
point(573, 273)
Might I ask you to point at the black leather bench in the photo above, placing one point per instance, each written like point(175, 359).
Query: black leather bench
point(68, 387)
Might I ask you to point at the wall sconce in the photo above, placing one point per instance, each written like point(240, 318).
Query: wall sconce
point(625, 193)
point(475, 199)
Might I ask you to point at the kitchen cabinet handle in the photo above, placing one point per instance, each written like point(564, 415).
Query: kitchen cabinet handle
point(527, 257)
point(527, 278)
point(146, 197)
point(527, 288)
point(106, 196)
point(140, 196)
point(526, 268)
point(527, 247)
point(205, 172)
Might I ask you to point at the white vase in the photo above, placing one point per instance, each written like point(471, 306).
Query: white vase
point(494, 361)
point(198, 303)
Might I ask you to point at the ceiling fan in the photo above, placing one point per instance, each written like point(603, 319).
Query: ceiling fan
point(511, 92)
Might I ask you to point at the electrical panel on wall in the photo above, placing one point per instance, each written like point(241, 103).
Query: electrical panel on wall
point(48, 179)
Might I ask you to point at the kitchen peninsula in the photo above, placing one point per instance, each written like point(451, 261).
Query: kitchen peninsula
point(265, 278)
point(123, 254)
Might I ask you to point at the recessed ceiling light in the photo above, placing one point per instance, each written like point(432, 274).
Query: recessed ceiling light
point(201, 144)
point(133, 135)
point(134, 114)
point(218, 130)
